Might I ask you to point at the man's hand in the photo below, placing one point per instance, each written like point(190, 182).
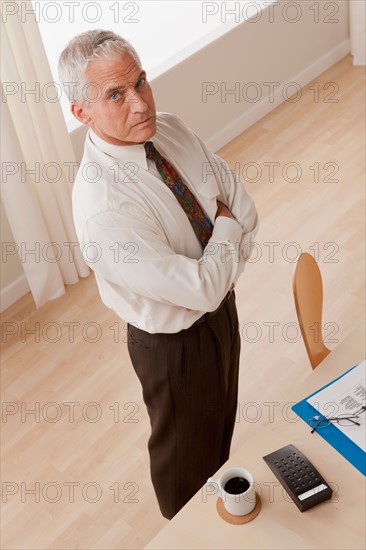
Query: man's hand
point(223, 210)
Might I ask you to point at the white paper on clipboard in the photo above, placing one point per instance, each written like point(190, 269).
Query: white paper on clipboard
point(345, 396)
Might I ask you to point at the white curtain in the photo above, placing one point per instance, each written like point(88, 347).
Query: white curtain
point(38, 163)
point(357, 29)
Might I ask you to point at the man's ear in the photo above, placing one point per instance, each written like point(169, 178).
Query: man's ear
point(80, 113)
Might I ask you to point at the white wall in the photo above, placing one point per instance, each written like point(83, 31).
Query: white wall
point(252, 52)
point(11, 268)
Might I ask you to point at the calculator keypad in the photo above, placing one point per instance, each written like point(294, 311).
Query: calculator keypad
point(299, 477)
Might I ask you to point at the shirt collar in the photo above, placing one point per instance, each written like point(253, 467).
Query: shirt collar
point(124, 153)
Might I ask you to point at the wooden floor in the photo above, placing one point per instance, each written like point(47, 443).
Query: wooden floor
point(75, 473)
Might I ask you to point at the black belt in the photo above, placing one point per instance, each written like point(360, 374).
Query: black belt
point(209, 314)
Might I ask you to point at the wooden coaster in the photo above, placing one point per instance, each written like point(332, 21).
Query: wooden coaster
point(238, 520)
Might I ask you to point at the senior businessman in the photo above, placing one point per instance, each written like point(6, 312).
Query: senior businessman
point(166, 226)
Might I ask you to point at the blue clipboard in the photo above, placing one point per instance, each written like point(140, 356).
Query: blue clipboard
point(347, 448)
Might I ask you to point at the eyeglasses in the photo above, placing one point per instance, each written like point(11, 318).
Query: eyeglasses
point(318, 422)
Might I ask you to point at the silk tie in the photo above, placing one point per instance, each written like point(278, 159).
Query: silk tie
point(200, 222)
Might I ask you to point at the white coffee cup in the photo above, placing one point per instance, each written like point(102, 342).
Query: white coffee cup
point(241, 503)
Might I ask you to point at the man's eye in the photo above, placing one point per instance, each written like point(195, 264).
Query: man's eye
point(115, 96)
point(141, 82)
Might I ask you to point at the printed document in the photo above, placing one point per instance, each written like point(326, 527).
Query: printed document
point(345, 397)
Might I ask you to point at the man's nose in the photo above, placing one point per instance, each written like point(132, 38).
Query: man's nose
point(137, 104)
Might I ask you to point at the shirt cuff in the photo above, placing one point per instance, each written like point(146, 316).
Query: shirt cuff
point(227, 230)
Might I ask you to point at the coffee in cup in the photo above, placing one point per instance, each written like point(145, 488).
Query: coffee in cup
point(237, 491)
point(236, 485)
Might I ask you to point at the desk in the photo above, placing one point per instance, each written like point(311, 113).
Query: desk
point(337, 523)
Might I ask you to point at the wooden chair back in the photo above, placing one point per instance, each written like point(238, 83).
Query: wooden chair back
point(308, 295)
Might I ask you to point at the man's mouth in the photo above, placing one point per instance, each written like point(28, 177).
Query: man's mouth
point(142, 122)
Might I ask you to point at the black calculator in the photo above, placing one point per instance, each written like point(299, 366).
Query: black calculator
point(299, 477)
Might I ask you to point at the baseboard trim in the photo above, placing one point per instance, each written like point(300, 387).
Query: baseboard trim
point(262, 108)
point(13, 292)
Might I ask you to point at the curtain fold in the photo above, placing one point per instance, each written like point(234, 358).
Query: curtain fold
point(38, 164)
point(357, 30)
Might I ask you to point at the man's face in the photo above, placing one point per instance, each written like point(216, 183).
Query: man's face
point(121, 106)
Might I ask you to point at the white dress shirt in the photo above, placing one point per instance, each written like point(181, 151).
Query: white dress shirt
point(149, 265)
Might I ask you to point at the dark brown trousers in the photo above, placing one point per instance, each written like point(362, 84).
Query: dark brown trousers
point(190, 386)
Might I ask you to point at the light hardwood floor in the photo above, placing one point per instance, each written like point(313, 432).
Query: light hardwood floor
point(86, 372)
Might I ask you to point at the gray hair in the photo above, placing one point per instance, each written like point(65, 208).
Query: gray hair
point(83, 49)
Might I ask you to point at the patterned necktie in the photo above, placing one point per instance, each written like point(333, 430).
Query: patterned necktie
point(200, 222)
